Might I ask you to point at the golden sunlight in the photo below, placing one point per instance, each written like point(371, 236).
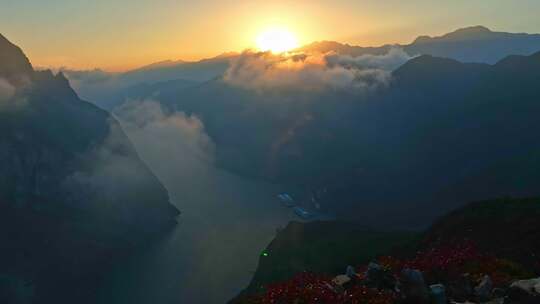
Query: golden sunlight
point(276, 40)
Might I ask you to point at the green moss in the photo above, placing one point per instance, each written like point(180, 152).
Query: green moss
point(323, 247)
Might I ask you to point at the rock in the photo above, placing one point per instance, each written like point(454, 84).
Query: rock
point(378, 277)
point(374, 274)
point(341, 280)
point(498, 293)
point(518, 295)
point(537, 288)
point(373, 270)
point(484, 288)
point(350, 272)
point(527, 285)
point(414, 287)
point(438, 294)
point(461, 289)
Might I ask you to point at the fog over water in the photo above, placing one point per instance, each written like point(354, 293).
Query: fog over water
point(225, 224)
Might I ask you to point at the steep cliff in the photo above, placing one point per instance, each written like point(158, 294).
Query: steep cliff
point(73, 192)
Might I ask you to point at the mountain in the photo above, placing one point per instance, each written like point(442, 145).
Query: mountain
point(202, 70)
point(495, 237)
point(108, 90)
point(322, 247)
point(476, 44)
point(15, 65)
point(441, 131)
point(471, 44)
point(344, 49)
point(74, 194)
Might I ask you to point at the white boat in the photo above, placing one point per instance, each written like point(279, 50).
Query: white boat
point(286, 199)
point(303, 213)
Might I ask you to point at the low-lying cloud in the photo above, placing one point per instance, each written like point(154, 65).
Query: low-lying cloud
point(387, 62)
point(186, 133)
point(264, 70)
point(111, 178)
point(112, 173)
point(7, 90)
point(9, 101)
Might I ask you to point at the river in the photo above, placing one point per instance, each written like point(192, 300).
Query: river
point(212, 253)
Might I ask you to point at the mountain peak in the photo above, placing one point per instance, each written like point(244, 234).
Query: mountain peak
point(471, 32)
point(14, 65)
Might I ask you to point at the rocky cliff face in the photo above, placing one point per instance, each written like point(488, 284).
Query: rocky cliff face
point(73, 191)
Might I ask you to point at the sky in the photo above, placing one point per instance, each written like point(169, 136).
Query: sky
point(118, 35)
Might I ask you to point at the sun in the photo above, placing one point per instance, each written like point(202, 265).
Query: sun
point(276, 40)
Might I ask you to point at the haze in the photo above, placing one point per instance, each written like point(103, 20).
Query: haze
point(245, 152)
point(124, 34)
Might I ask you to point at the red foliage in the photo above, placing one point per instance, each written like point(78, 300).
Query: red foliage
point(310, 288)
point(448, 262)
point(439, 264)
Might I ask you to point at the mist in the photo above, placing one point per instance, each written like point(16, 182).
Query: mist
point(225, 224)
point(6, 90)
point(313, 71)
point(8, 99)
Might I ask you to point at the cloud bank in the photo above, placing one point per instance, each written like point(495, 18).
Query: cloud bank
point(7, 91)
point(185, 132)
point(9, 101)
point(111, 180)
point(264, 70)
point(387, 62)
point(111, 174)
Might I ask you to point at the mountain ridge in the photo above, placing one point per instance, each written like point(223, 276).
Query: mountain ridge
point(66, 210)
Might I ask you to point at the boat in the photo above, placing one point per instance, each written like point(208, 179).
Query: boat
point(302, 213)
point(286, 199)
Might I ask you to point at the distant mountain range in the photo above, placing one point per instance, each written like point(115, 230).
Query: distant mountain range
point(443, 131)
point(107, 90)
point(73, 192)
point(472, 44)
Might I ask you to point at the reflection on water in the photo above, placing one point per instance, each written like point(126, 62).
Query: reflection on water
point(212, 254)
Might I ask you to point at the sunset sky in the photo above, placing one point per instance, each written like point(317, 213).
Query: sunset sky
point(123, 34)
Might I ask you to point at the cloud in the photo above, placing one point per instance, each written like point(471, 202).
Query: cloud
point(112, 176)
point(111, 179)
point(387, 62)
point(7, 91)
point(264, 70)
point(184, 133)
point(8, 99)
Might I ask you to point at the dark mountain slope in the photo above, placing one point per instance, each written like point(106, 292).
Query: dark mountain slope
point(506, 233)
point(73, 192)
point(508, 228)
point(322, 247)
point(15, 65)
